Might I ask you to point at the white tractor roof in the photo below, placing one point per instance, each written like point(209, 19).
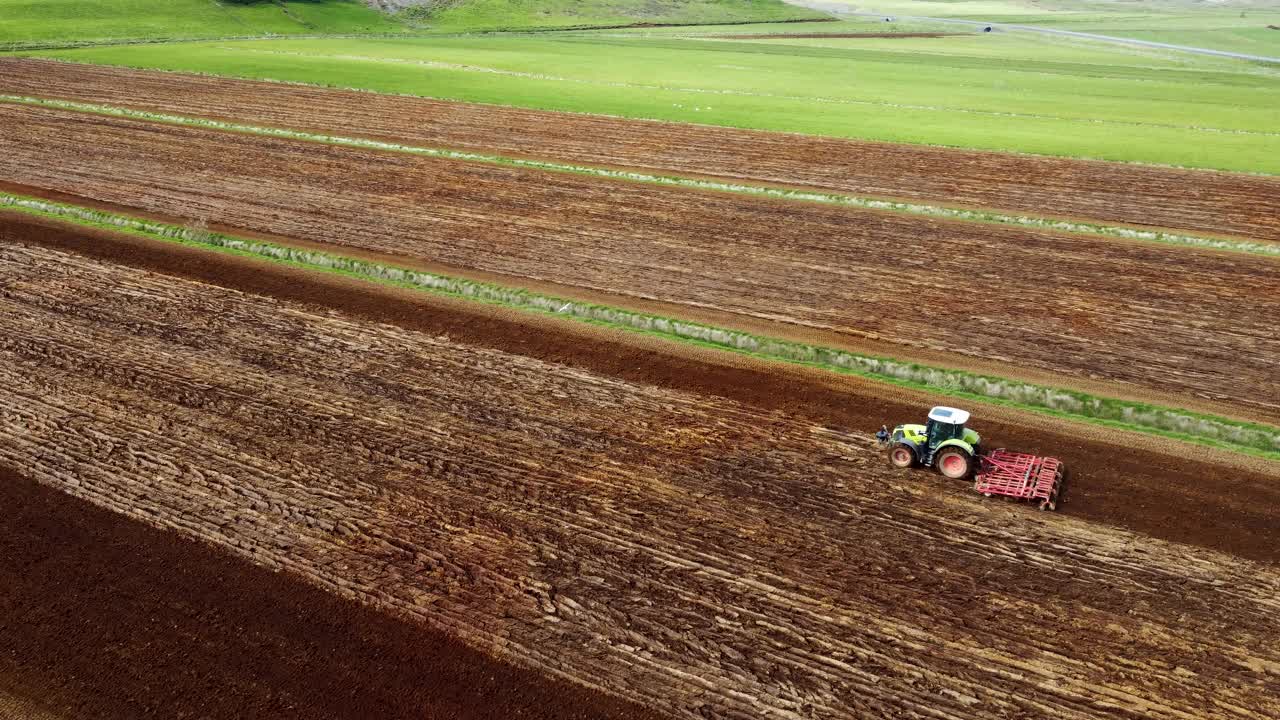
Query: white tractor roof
point(949, 415)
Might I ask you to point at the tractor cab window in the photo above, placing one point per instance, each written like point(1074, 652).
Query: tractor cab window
point(939, 432)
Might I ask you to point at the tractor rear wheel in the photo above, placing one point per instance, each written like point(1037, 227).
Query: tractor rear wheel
point(954, 462)
point(902, 456)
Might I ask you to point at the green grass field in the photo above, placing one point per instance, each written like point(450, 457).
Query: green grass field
point(1233, 25)
point(965, 41)
point(1000, 91)
point(1005, 92)
point(80, 22)
point(45, 21)
point(485, 15)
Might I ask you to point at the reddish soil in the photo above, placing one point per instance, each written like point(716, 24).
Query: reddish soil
point(105, 617)
point(696, 554)
point(1193, 201)
point(1162, 492)
point(1142, 315)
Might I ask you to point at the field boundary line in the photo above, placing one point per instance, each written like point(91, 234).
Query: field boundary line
point(1254, 439)
point(678, 181)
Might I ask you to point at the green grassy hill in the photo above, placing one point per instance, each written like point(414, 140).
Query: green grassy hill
point(39, 23)
point(473, 15)
point(25, 22)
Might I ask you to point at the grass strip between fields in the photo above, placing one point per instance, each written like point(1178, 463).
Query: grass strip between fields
point(1044, 223)
point(1250, 438)
point(75, 44)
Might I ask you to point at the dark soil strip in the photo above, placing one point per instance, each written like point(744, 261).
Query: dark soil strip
point(104, 617)
point(1169, 495)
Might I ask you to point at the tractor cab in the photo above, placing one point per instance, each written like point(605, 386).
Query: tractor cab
point(945, 424)
point(942, 442)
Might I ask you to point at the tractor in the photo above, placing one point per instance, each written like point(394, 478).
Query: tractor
point(944, 442)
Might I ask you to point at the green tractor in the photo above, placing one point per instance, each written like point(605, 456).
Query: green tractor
point(943, 443)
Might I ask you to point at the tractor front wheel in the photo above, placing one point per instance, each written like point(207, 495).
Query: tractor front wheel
point(954, 463)
point(902, 456)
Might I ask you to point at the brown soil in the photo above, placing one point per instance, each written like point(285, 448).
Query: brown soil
point(1158, 318)
point(700, 555)
point(1193, 201)
point(103, 617)
point(1166, 490)
point(865, 345)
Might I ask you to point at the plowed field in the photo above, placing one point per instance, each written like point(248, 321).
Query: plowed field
point(95, 608)
point(1138, 483)
point(1204, 202)
point(699, 555)
point(1187, 323)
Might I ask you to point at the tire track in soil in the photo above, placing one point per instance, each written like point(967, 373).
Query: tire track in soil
point(703, 556)
point(1133, 314)
point(1167, 198)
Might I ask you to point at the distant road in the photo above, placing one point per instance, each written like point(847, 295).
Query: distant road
point(839, 9)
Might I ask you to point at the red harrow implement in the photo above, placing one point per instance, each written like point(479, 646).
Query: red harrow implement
point(945, 443)
point(1022, 476)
